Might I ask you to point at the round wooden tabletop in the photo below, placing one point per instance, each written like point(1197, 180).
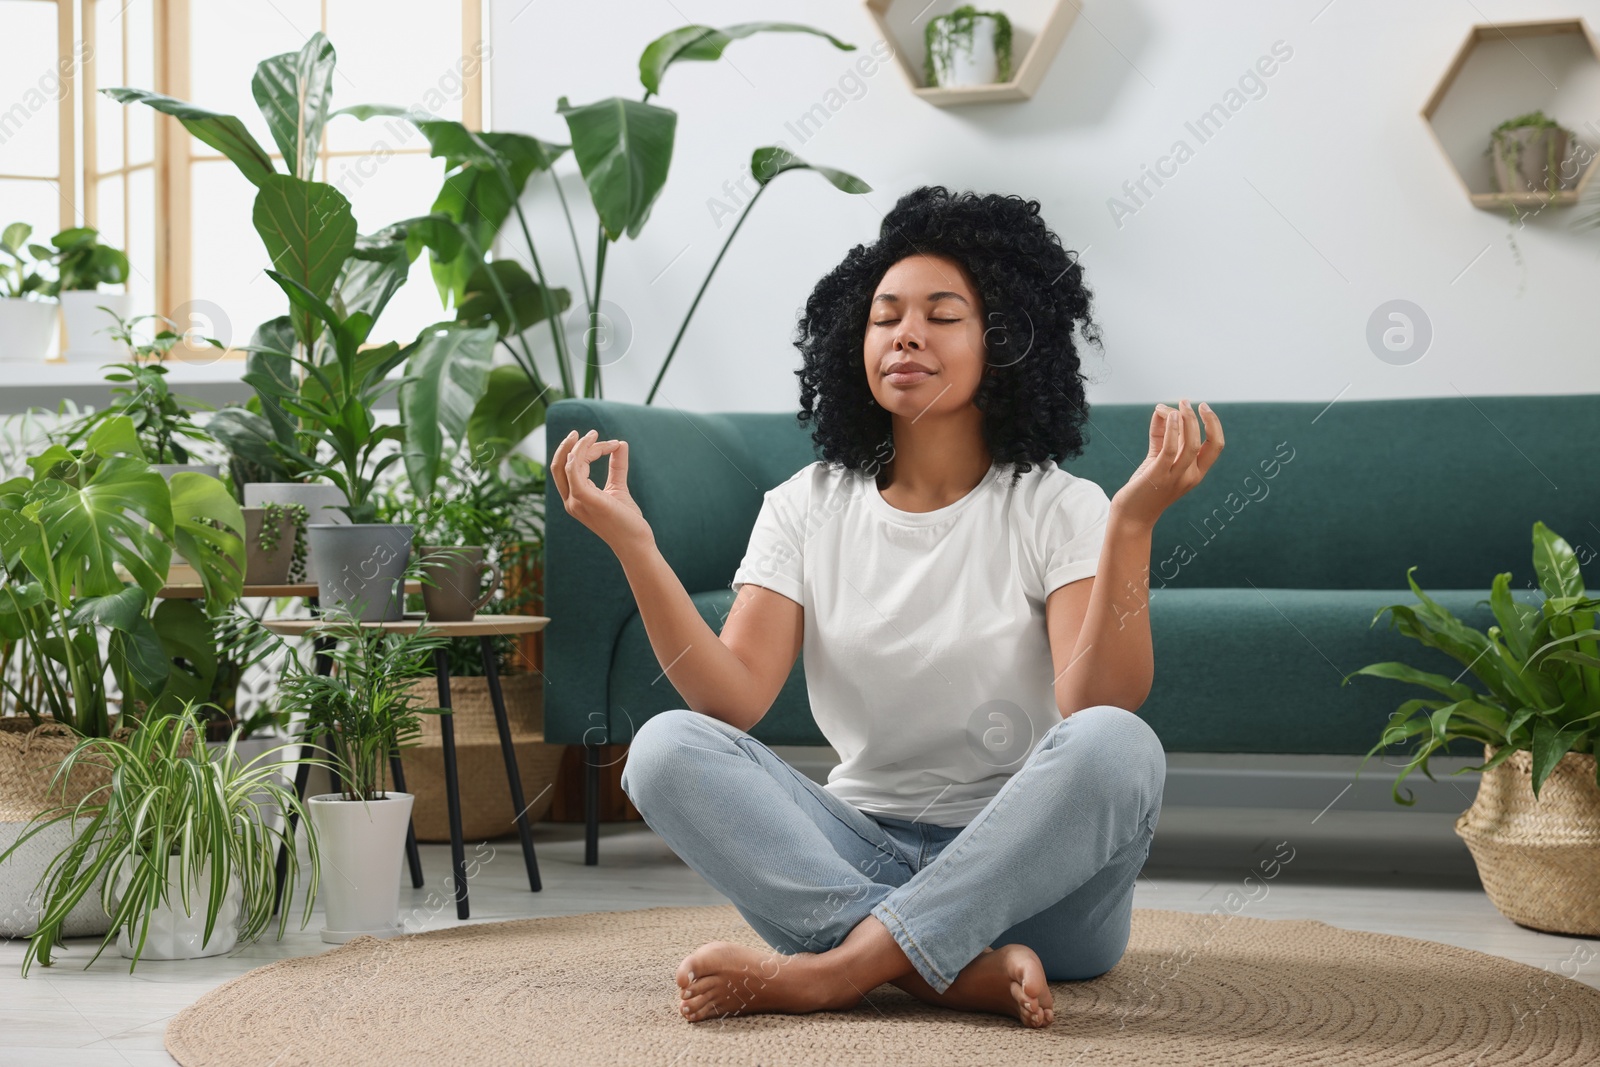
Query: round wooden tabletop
point(477, 626)
point(186, 591)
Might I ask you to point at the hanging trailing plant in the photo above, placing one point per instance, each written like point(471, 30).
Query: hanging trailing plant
point(952, 33)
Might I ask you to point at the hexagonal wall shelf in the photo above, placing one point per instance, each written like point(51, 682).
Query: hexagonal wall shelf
point(1509, 69)
point(1037, 30)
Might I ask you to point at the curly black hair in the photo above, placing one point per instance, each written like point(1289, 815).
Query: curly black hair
point(1033, 295)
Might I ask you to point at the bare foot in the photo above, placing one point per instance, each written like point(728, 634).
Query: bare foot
point(1006, 981)
point(721, 978)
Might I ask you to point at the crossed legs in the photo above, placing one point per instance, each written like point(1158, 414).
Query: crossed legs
point(1043, 876)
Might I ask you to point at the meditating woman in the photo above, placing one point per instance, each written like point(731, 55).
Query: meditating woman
point(976, 636)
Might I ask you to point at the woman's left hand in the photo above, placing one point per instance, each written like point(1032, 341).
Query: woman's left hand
point(1178, 460)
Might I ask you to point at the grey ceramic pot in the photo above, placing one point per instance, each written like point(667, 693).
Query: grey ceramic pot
point(167, 470)
point(360, 568)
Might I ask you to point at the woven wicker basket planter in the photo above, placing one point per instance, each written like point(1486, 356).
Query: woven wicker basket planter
point(1539, 858)
point(486, 810)
point(29, 757)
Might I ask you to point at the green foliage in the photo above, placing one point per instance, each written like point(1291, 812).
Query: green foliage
point(81, 261)
point(706, 43)
point(161, 418)
point(86, 543)
point(16, 279)
point(1539, 668)
point(170, 796)
point(366, 708)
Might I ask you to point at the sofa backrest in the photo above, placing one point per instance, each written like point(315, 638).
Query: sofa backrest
point(1345, 495)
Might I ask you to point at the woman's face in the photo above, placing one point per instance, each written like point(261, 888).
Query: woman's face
point(925, 313)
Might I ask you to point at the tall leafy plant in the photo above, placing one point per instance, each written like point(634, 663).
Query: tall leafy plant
point(1539, 668)
point(624, 151)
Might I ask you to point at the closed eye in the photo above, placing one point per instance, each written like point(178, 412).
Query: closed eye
point(891, 322)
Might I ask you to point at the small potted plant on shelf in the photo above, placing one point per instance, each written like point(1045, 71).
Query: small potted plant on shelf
point(1534, 828)
point(1528, 153)
point(367, 711)
point(83, 265)
point(967, 47)
point(275, 542)
point(181, 844)
point(27, 315)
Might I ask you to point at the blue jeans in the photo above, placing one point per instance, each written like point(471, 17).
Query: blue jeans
point(1049, 863)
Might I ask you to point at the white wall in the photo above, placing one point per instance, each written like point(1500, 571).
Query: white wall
point(1250, 274)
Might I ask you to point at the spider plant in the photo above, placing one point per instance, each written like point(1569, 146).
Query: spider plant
point(1540, 668)
point(169, 795)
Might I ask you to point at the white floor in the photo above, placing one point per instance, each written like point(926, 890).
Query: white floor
point(1390, 872)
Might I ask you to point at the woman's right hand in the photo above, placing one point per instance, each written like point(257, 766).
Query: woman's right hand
point(609, 512)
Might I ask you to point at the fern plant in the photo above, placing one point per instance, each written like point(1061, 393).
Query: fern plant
point(1539, 668)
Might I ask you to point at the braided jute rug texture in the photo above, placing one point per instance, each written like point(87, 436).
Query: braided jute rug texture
point(1193, 988)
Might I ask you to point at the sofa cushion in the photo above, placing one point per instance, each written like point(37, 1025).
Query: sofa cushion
point(1238, 670)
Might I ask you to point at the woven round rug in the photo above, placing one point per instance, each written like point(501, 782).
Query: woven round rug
point(598, 989)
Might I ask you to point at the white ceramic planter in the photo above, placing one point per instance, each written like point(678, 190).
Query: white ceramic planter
point(25, 329)
point(362, 846)
point(20, 902)
point(360, 568)
point(324, 504)
point(89, 329)
point(956, 64)
point(176, 934)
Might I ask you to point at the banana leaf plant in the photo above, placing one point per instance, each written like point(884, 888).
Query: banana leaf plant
point(1539, 668)
point(624, 150)
point(86, 542)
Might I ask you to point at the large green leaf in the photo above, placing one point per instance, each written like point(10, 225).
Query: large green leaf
point(447, 369)
point(377, 268)
point(511, 409)
point(1555, 563)
point(292, 90)
point(309, 231)
point(187, 643)
point(526, 297)
point(706, 43)
point(208, 532)
point(624, 149)
point(767, 163)
point(106, 522)
point(225, 133)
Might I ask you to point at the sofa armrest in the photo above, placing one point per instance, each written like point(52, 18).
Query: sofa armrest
point(699, 479)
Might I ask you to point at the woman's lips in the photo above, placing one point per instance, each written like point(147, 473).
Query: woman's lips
point(907, 377)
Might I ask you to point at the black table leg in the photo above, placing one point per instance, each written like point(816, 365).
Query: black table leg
point(452, 787)
point(413, 857)
point(491, 671)
point(591, 805)
point(302, 775)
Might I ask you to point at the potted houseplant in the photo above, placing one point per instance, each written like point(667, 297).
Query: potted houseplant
point(1534, 828)
point(177, 844)
point(967, 47)
point(83, 265)
point(85, 541)
point(275, 540)
point(367, 711)
point(499, 509)
point(1528, 152)
point(27, 317)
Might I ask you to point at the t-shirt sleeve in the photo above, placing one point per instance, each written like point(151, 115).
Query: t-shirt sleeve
point(1074, 529)
point(774, 558)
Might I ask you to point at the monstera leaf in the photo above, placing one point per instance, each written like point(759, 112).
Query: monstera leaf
point(208, 532)
point(121, 515)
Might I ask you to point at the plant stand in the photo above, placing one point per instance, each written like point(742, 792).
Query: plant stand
point(482, 627)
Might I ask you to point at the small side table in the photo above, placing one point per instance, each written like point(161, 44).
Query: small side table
point(482, 627)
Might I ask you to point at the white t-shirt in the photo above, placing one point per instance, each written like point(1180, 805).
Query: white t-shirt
point(927, 656)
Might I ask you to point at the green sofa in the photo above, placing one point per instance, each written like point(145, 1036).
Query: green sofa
point(1264, 578)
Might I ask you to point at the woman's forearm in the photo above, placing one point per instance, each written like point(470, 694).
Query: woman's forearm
point(1113, 662)
point(707, 674)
